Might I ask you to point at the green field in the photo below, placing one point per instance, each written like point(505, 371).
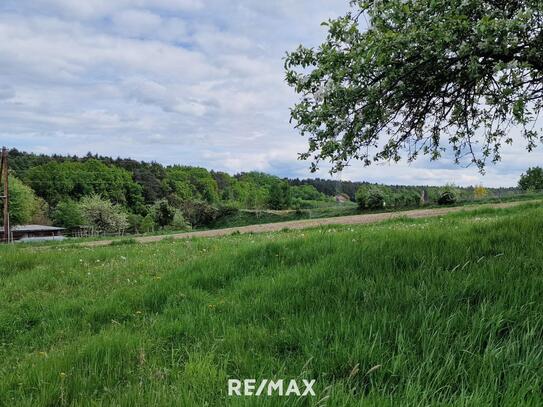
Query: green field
point(444, 311)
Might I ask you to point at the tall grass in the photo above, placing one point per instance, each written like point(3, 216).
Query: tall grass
point(445, 311)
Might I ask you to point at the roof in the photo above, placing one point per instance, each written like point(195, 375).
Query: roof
point(35, 228)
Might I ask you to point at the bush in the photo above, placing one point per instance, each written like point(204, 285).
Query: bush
point(179, 222)
point(480, 192)
point(227, 210)
point(373, 198)
point(199, 213)
point(406, 198)
point(447, 197)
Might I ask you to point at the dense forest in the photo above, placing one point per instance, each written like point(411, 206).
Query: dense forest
point(121, 194)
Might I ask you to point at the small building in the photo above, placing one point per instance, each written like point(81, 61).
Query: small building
point(29, 233)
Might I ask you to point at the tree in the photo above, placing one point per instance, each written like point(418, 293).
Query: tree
point(57, 181)
point(307, 193)
point(103, 214)
point(423, 75)
point(280, 196)
point(163, 213)
point(148, 224)
point(134, 222)
point(532, 180)
point(68, 214)
point(191, 183)
point(370, 198)
point(23, 203)
point(480, 192)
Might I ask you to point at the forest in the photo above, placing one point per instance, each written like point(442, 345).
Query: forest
point(129, 196)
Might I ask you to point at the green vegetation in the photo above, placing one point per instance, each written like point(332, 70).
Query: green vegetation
point(152, 198)
point(401, 79)
point(25, 206)
point(532, 180)
point(412, 312)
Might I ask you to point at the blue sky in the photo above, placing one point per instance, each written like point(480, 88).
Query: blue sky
point(196, 82)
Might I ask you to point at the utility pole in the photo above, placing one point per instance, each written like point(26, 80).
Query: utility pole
point(5, 178)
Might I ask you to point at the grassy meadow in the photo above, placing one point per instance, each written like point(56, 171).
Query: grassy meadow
point(431, 312)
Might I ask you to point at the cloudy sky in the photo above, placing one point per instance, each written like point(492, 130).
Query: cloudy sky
point(196, 82)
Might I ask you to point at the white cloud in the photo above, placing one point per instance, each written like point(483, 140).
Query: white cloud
point(180, 81)
point(95, 9)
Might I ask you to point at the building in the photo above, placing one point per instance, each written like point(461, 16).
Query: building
point(29, 233)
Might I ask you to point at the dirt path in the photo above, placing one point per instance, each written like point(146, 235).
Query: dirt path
point(309, 223)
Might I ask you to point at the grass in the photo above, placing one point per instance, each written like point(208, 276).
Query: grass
point(441, 312)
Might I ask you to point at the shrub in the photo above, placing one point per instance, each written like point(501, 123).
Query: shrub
point(480, 192)
point(447, 197)
point(228, 209)
point(179, 222)
point(199, 213)
point(360, 197)
point(372, 198)
point(375, 199)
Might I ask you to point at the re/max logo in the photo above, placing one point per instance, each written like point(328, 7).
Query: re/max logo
point(249, 387)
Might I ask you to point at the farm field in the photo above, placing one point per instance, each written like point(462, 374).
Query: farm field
point(440, 311)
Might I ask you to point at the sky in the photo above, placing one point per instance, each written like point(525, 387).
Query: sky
point(192, 82)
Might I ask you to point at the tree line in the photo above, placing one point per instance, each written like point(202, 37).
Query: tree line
point(111, 195)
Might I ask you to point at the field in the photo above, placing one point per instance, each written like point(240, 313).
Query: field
point(443, 311)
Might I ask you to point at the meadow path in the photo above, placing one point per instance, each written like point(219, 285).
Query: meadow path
point(311, 223)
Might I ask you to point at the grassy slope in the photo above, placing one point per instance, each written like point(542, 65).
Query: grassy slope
point(450, 308)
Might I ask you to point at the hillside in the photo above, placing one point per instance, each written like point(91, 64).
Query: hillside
point(407, 312)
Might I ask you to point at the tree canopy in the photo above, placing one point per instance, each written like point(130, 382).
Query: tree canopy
point(532, 180)
point(399, 78)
